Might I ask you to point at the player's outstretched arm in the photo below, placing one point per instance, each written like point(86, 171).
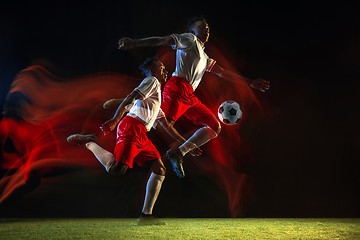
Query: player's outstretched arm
point(111, 124)
point(258, 83)
point(128, 43)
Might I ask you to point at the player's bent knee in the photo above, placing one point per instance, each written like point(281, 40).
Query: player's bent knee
point(158, 167)
point(215, 126)
point(161, 171)
point(212, 123)
point(118, 169)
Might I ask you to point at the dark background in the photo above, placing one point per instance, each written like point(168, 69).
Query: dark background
point(306, 150)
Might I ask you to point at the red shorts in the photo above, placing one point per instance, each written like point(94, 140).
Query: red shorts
point(132, 143)
point(179, 99)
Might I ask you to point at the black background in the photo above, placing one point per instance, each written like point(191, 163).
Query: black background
point(307, 152)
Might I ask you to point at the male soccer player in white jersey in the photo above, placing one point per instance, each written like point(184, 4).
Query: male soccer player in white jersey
point(132, 144)
point(178, 94)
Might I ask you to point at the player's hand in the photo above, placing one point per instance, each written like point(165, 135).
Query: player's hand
point(260, 84)
point(126, 43)
point(196, 152)
point(108, 126)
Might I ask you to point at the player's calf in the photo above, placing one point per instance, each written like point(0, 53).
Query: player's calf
point(152, 191)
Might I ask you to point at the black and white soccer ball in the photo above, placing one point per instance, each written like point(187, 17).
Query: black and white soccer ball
point(229, 112)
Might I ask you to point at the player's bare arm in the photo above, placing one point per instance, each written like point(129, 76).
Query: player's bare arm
point(128, 43)
point(163, 124)
point(258, 83)
point(110, 125)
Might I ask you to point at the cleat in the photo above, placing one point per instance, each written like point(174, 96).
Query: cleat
point(149, 219)
point(81, 139)
point(175, 157)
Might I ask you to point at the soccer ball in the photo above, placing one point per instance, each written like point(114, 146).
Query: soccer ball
point(229, 112)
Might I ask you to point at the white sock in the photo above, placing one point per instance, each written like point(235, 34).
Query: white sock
point(105, 157)
point(199, 138)
point(152, 192)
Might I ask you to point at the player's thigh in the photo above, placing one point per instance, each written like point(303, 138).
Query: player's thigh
point(125, 152)
point(201, 115)
point(147, 154)
point(174, 107)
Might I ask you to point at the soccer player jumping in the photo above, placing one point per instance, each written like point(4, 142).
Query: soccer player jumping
point(178, 94)
point(132, 143)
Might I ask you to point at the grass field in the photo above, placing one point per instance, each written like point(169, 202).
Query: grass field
point(209, 228)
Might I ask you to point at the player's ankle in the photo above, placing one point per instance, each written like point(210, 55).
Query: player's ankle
point(145, 214)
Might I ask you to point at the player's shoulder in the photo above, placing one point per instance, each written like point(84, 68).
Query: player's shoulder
point(151, 80)
point(189, 36)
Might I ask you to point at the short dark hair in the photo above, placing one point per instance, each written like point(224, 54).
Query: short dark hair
point(193, 20)
point(147, 64)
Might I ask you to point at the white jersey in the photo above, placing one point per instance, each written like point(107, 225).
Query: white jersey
point(148, 107)
point(191, 59)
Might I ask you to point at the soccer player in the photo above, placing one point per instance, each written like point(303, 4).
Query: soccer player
point(178, 94)
point(132, 144)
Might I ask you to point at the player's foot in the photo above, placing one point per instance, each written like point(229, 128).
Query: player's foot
point(81, 139)
point(146, 219)
point(112, 104)
point(176, 158)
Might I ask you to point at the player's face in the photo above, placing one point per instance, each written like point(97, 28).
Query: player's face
point(201, 30)
point(159, 71)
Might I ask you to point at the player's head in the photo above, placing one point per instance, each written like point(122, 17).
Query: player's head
point(154, 67)
point(199, 27)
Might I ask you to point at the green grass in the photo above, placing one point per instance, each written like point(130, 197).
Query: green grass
point(209, 228)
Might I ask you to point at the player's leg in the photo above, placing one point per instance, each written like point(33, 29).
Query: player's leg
point(105, 157)
point(173, 107)
point(126, 148)
point(177, 99)
point(154, 183)
point(210, 130)
point(153, 186)
point(200, 115)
